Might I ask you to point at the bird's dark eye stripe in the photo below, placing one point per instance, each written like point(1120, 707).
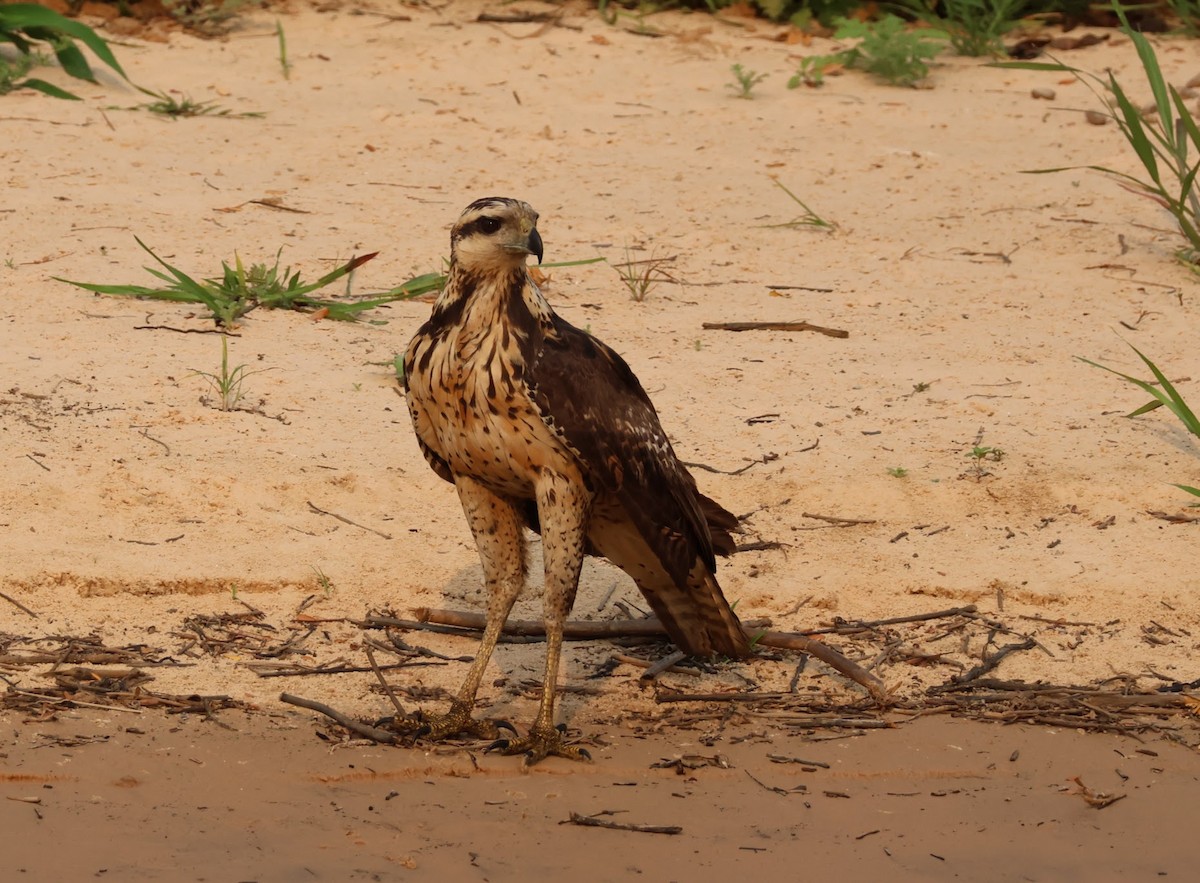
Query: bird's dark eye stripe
point(486, 224)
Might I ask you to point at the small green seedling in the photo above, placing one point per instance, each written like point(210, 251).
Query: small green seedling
point(745, 81)
point(980, 454)
point(641, 276)
point(323, 582)
point(227, 382)
point(808, 218)
point(812, 70)
point(897, 471)
point(396, 363)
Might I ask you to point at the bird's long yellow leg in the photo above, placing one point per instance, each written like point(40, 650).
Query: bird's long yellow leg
point(499, 536)
point(563, 504)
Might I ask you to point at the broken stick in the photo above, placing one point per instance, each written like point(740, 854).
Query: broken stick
point(365, 730)
point(774, 326)
point(593, 822)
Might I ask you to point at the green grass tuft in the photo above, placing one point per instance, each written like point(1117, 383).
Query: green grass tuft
point(1167, 145)
point(1163, 394)
point(239, 290)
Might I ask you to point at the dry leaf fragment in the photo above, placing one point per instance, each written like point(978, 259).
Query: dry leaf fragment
point(1095, 799)
point(1067, 42)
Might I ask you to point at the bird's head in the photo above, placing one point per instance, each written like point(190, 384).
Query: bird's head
point(495, 233)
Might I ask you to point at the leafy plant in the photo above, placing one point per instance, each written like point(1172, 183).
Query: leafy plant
point(25, 24)
point(808, 218)
point(1163, 392)
point(812, 70)
point(890, 49)
point(887, 48)
point(1168, 145)
point(746, 81)
point(238, 290)
point(980, 454)
point(897, 471)
point(974, 27)
point(227, 382)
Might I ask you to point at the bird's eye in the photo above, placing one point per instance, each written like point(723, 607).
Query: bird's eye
point(489, 225)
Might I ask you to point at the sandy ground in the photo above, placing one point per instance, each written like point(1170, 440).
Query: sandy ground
point(129, 506)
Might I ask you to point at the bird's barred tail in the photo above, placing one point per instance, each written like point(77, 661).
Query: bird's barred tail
point(699, 619)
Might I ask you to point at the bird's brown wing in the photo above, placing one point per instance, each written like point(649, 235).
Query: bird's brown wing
point(650, 519)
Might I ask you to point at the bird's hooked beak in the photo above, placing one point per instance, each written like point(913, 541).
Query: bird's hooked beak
point(532, 244)
point(535, 244)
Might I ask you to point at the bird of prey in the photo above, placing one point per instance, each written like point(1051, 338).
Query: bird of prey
point(540, 425)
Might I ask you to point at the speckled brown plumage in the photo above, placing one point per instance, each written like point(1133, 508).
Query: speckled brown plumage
point(540, 425)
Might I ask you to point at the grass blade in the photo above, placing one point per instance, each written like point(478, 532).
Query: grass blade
point(27, 16)
point(46, 89)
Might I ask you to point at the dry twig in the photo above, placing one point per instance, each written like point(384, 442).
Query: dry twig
point(593, 822)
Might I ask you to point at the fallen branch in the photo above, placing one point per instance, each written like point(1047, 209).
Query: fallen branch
point(831, 657)
point(775, 326)
point(840, 522)
point(15, 603)
point(593, 822)
point(345, 520)
point(296, 670)
point(991, 662)
point(861, 625)
point(646, 663)
point(365, 730)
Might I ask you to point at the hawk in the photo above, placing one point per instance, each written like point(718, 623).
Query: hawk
point(540, 425)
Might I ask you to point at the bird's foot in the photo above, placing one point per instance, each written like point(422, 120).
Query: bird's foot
point(540, 744)
point(455, 722)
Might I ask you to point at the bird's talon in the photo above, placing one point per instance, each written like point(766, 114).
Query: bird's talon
point(540, 744)
point(500, 745)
